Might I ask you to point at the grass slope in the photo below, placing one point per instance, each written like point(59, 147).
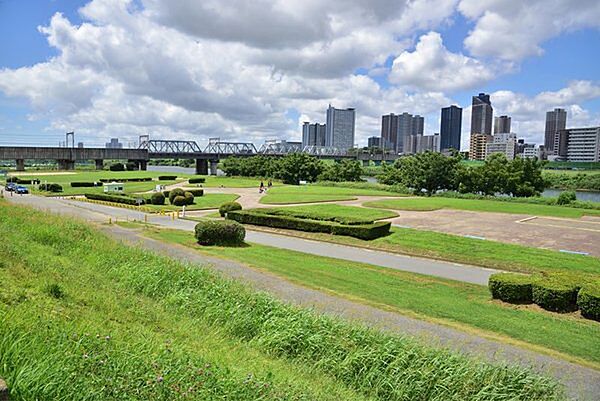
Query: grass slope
point(457, 304)
point(435, 203)
point(84, 317)
point(316, 193)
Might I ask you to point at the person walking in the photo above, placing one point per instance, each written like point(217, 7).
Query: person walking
point(261, 188)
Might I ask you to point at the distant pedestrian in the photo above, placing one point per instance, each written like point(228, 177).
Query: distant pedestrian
point(270, 184)
point(261, 188)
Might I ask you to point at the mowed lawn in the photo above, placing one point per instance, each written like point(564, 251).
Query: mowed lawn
point(477, 205)
point(315, 193)
point(236, 182)
point(328, 211)
point(456, 304)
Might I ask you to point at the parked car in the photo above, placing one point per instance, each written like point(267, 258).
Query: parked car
point(10, 187)
point(21, 190)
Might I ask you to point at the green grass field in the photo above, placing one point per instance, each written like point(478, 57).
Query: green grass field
point(327, 211)
point(236, 182)
point(462, 305)
point(477, 205)
point(314, 193)
point(206, 201)
point(84, 317)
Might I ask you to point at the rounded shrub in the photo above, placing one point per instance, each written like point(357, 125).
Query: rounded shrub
point(229, 207)
point(566, 197)
point(174, 193)
point(511, 287)
point(117, 167)
point(217, 232)
point(588, 300)
point(167, 177)
point(51, 187)
point(556, 292)
point(179, 201)
point(189, 198)
point(157, 199)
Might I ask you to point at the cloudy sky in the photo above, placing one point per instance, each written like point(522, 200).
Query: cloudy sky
point(254, 70)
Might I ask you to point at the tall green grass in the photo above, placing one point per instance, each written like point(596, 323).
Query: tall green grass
point(56, 348)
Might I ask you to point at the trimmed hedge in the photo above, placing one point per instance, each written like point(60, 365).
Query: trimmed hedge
point(114, 198)
point(189, 198)
point(157, 199)
point(229, 207)
point(557, 292)
point(511, 287)
point(196, 192)
point(174, 193)
point(134, 179)
point(167, 177)
point(588, 300)
point(179, 201)
point(117, 167)
point(197, 180)
point(317, 216)
point(218, 232)
point(366, 231)
point(51, 187)
point(17, 180)
point(85, 184)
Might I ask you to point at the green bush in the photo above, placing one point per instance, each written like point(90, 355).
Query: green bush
point(167, 177)
point(12, 179)
point(157, 199)
point(588, 300)
point(566, 197)
point(197, 180)
point(51, 187)
point(366, 231)
point(174, 193)
point(133, 179)
point(117, 167)
point(313, 215)
point(131, 166)
point(196, 192)
point(229, 207)
point(179, 201)
point(216, 232)
point(556, 292)
point(84, 184)
point(511, 287)
point(189, 198)
point(114, 198)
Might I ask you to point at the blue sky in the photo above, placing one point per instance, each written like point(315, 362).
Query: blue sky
point(263, 81)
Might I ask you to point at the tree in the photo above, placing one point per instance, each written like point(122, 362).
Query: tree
point(297, 167)
point(346, 170)
point(494, 175)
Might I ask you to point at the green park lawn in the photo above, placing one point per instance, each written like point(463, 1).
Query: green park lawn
point(236, 182)
point(466, 306)
point(315, 193)
point(206, 201)
point(478, 205)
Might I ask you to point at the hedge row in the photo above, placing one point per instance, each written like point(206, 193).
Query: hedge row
point(17, 180)
point(134, 179)
point(51, 187)
point(85, 184)
point(218, 232)
point(114, 198)
point(197, 180)
point(167, 177)
point(229, 207)
point(290, 212)
point(366, 231)
point(195, 192)
point(557, 292)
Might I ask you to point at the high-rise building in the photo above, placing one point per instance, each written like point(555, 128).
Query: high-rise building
point(556, 120)
point(505, 143)
point(339, 130)
point(578, 144)
point(477, 146)
point(114, 144)
point(374, 142)
point(422, 143)
point(389, 131)
point(501, 125)
point(313, 134)
point(405, 130)
point(450, 127)
point(481, 114)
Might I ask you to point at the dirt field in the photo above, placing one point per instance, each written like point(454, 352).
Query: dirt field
point(577, 235)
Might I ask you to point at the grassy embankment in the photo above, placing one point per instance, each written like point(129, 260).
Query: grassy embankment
point(478, 205)
point(84, 317)
point(315, 193)
point(465, 306)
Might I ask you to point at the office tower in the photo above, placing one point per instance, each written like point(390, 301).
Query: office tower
point(450, 127)
point(505, 143)
point(501, 125)
point(374, 142)
point(578, 144)
point(556, 120)
point(339, 130)
point(481, 114)
point(313, 134)
point(477, 146)
point(389, 131)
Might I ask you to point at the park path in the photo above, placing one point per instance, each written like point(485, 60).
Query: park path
point(582, 383)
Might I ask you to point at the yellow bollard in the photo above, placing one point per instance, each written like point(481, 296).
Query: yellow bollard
point(145, 218)
point(110, 220)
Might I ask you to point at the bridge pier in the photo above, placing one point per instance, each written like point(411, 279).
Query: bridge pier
point(66, 164)
point(213, 167)
point(99, 164)
point(201, 167)
point(20, 164)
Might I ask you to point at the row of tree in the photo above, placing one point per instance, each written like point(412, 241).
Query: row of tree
point(430, 172)
point(293, 168)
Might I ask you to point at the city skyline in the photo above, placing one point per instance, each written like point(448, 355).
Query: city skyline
point(155, 71)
